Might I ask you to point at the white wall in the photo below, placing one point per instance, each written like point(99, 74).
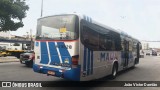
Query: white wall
point(5, 34)
point(9, 46)
point(154, 44)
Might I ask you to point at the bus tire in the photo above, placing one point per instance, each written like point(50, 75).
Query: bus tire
point(29, 64)
point(134, 65)
point(114, 71)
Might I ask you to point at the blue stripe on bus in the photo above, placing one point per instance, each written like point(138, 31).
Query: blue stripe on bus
point(64, 52)
point(88, 63)
point(84, 59)
point(91, 62)
point(53, 53)
point(44, 53)
point(73, 74)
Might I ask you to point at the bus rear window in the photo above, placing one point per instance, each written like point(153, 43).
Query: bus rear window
point(64, 27)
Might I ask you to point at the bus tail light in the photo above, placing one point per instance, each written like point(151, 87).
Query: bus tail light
point(75, 60)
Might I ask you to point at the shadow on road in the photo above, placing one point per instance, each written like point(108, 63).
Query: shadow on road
point(102, 82)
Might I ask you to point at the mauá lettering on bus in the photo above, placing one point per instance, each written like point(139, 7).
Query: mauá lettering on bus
point(108, 56)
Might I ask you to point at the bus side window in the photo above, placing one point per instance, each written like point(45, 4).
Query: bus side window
point(85, 35)
point(109, 42)
point(102, 42)
point(90, 38)
point(117, 40)
point(130, 45)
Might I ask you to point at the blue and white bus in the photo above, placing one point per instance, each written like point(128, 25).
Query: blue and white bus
point(77, 48)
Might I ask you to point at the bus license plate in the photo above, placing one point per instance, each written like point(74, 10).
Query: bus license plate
point(51, 72)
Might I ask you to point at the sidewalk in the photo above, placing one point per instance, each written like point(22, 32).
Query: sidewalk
point(8, 59)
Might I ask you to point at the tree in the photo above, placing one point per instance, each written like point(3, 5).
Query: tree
point(11, 14)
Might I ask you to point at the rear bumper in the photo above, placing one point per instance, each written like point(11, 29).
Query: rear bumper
point(25, 61)
point(72, 74)
point(154, 54)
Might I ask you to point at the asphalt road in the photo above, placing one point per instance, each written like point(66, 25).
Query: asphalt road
point(147, 70)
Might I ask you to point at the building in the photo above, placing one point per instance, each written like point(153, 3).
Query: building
point(154, 44)
point(5, 34)
point(145, 45)
point(12, 46)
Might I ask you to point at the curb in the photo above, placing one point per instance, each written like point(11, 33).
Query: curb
point(9, 61)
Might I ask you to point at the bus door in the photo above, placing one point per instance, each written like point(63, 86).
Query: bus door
point(138, 48)
point(126, 53)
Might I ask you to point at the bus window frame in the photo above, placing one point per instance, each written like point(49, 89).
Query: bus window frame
point(107, 38)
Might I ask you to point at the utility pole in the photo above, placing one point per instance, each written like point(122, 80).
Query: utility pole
point(42, 8)
point(30, 33)
point(31, 39)
point(27, 35)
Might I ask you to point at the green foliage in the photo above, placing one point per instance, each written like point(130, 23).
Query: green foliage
point(11, 14)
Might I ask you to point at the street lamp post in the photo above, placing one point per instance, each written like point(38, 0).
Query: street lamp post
point(27, 35)
point(42, 8)
point(31, 39)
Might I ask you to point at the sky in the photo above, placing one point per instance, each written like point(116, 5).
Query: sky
point(138, 18)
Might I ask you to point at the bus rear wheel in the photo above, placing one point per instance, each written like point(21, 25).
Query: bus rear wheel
point(114, 71)
point(134, 64)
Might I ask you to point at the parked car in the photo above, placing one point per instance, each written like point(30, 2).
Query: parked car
point(27, 58)
point(4, 53)
point(147, 53)
point(154, 53)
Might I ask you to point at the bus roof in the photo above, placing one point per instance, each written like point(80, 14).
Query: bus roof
point(89, 19)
